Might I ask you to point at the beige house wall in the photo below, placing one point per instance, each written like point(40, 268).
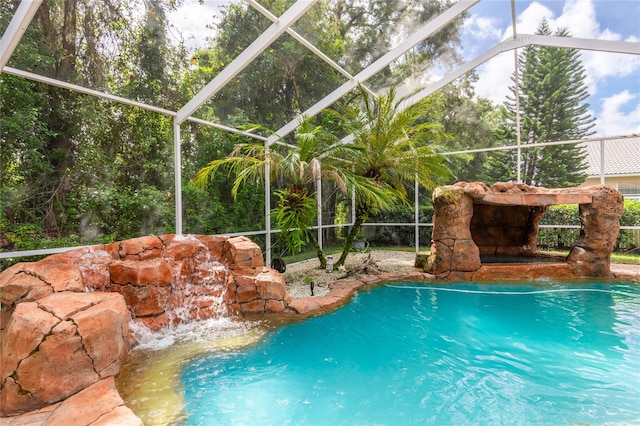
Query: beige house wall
point(619, 183)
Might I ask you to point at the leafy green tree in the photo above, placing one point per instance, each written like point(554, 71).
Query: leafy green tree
point(367, 30)
point(82, 157)
point(212, 209)
point(552, 91)
point(125, 161)
point(470, 122)
point(62, 42)
point(390, 156)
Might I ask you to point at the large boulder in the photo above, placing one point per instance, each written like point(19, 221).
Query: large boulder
point(58, 345)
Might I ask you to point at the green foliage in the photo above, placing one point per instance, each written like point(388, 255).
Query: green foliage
point(471, 124)
point(401, 235)
point(568, 214)
point(62, 154)
point(629, 240)
point(79, 170)
point(341, 217)
point(391, 156)
point(560, 238)
point(293, 214)
point(288, 78)
point(117, 213)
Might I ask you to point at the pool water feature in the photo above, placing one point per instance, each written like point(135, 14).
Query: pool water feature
point(531, 353)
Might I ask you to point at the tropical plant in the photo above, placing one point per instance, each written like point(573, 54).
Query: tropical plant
point(297, 168)
point(394, 150)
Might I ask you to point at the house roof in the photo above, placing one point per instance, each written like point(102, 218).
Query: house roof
point(622, 156)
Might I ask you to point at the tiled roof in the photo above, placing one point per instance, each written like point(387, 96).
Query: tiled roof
point(621, 156)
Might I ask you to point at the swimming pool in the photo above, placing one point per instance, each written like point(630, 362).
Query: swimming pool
point(531, 353)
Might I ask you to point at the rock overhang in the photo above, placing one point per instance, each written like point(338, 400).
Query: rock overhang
point(472, 220)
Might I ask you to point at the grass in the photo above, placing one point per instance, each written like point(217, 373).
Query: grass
point(625, 258)
point(629, 259)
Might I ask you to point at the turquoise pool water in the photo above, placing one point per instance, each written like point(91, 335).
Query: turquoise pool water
point(536, 353)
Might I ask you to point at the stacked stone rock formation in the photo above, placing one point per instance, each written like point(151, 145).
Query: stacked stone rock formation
point(64, 320)
point(472, 220)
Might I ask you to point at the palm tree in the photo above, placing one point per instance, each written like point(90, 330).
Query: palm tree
point(396, 148)
point(297, 168)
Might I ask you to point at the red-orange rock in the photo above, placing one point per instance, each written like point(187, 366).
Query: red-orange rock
point(254, 307)
point(144, 301)
point(270, 285)
point(246, 292)
point(465, 256)
point(305, 305)
point(183, 248)
point(156, 271)
point(274, 306)
point(135, 247)
point(17, 286)
point(215, 244)
point(104, 328)
point(94, 268)
point(60, 276)
point(242, 253)
point(471, 220)
point(75, 335)
point(520, 271)
point(99, 404)
point(58, 339)
point(27, 328)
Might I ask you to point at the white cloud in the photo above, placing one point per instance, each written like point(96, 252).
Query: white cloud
point(483, 28)
point(495, 75)
point(602, 66)
point(495, 78)
point(612, 121)
point(579, 16)
point(527, 22)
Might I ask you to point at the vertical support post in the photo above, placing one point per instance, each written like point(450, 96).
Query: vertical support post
point(517, 92)
point(417, 214)
point(177, 171)
point(319, 201)
point(267, 205)
point(602, 160)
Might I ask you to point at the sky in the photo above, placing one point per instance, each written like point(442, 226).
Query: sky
point(613, 80)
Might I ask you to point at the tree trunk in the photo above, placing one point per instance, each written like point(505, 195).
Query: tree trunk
point(355, 229)
point(316, 246)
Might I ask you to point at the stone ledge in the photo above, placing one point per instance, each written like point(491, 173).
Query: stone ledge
point(510, 199)
point(99, 404)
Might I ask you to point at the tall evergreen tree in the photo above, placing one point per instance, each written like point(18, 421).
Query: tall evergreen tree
point(552, 92)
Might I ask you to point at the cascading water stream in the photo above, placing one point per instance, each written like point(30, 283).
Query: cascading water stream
point(197, 323)
point(200, 294)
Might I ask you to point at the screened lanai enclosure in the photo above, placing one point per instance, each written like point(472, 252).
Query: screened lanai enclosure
point(111, 108)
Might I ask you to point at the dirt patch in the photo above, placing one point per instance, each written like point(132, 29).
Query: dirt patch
point(388, 261)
